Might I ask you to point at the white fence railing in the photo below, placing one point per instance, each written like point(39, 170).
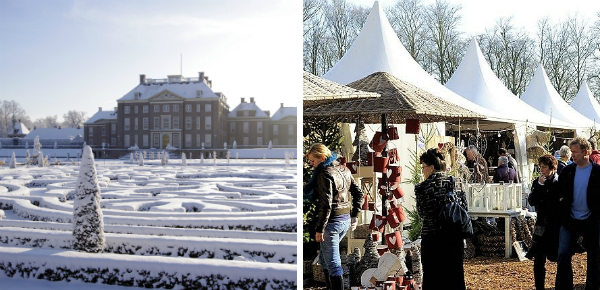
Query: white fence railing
point(494, 197)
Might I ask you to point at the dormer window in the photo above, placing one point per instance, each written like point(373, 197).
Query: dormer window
point(246, 113)
point(137, 95)
point(198, 93)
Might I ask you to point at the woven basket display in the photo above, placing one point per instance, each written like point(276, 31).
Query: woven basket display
point(307, 266)
point(362, 231)
point(317, 270)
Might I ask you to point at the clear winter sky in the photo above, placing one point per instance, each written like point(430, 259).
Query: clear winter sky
point(477, 15)
point(61, 55)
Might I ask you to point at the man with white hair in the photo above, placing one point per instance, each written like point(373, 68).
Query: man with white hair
point(564, 156)
point(505, 173)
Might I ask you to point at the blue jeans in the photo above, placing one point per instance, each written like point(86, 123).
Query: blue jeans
point(590, 230)
point(330, 247)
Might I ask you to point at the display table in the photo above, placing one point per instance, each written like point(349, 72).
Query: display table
point(507, 215)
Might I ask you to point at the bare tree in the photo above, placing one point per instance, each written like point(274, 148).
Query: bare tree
point(445, 49)
point(407, 17)
point(554, 54)
point(509, 51)
point(46, 122)
point(74, 119)
point(10, 113)
point(582, 43)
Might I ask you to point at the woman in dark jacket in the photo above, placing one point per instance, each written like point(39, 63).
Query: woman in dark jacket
point(441, 253)
point(332, 185)
point(545, 197)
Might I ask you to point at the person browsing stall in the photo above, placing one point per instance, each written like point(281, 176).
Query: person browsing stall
point(338, 202)
point(435, 245)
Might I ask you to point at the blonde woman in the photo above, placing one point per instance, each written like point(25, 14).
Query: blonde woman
point(338, 202)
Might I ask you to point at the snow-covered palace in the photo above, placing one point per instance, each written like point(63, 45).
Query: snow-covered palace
point(187, 114)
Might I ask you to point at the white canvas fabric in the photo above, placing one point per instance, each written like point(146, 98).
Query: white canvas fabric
point(542, 95)
point(378, 49)
point(475, 81)
point(586, 104)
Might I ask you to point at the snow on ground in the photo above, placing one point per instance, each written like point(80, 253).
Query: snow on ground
point(163, 225)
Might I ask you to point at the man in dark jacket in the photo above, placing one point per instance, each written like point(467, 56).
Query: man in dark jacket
point(505, 173)
point(595, 155)
point(579, 207)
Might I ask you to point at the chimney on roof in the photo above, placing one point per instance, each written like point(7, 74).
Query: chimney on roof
point(243, 100)
point(282, 105)
point(209, 83)
point(99, 109)
point(252, 100)
point(116, 109)
point(201, 76)
point(142, 79)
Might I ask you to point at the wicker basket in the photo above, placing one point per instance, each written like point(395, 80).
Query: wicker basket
point(317, 270)
point(362, 231)
point(307, 270)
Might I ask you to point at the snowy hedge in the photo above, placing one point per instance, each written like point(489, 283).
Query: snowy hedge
point(192, 247)
point(283, 223)
point(15, 190)
point(156, 231)
point(145, 271)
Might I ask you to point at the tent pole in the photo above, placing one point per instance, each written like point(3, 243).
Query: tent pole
point(384, 176)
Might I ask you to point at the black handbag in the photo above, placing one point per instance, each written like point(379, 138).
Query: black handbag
point(454, 218)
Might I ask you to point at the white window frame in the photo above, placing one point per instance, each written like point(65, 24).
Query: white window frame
point(207, 107)
point(231, 127)
point(103, 131)
point(113, 128)
point(165, 122)
point(188, 108)
point(207, 123)
point(198, 108)
point(175, 108)
point(246, 129)
point(126, 142)
point(145, 109)
point(145, 124)
point(135, 109)
point(145, 140)
point(127, 110)
point(156, 139)
point(259, 127)
point(188, 140)
point(91, 131)
point(198, 141)
point(197, 123)
point(156, 123)
point(175, 141)
point(207, 140)
point(175, 122)
point(127, 124)
point(188, 123)
point(135, 124)
point(156, 108)
point(275, 129)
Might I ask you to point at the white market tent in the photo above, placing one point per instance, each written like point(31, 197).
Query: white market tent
point(475, 81)
point(541, 94)
point(586, 104)
point(378, 49)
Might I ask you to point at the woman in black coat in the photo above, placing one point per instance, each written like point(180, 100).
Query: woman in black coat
point(441, 253)
point(544, 196)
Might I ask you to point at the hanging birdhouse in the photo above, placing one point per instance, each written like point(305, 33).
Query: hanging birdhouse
point(394, 172)
point(377, 223)
point(380, 164)
point(393, 240)
point(392, 219)
point(412, 126)
point(392, 133)
point(379, 141)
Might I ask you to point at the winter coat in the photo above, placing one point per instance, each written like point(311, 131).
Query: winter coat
point(333, 185)
point(480, 169)
point(545, 198)
point(506, 174)
point(560, 166)
point(431, 196)
point(566, 181)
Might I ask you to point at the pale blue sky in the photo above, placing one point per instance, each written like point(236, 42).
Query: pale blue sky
point(63, 55)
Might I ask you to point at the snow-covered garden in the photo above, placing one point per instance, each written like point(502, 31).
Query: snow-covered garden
point(156, 222)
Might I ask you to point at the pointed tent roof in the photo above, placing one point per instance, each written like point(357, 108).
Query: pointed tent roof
point(542, 95)
point(378, 49)
point(475, 80)
point(586, 104)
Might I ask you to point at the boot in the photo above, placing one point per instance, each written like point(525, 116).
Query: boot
point(327, 280)
point(337, 282)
